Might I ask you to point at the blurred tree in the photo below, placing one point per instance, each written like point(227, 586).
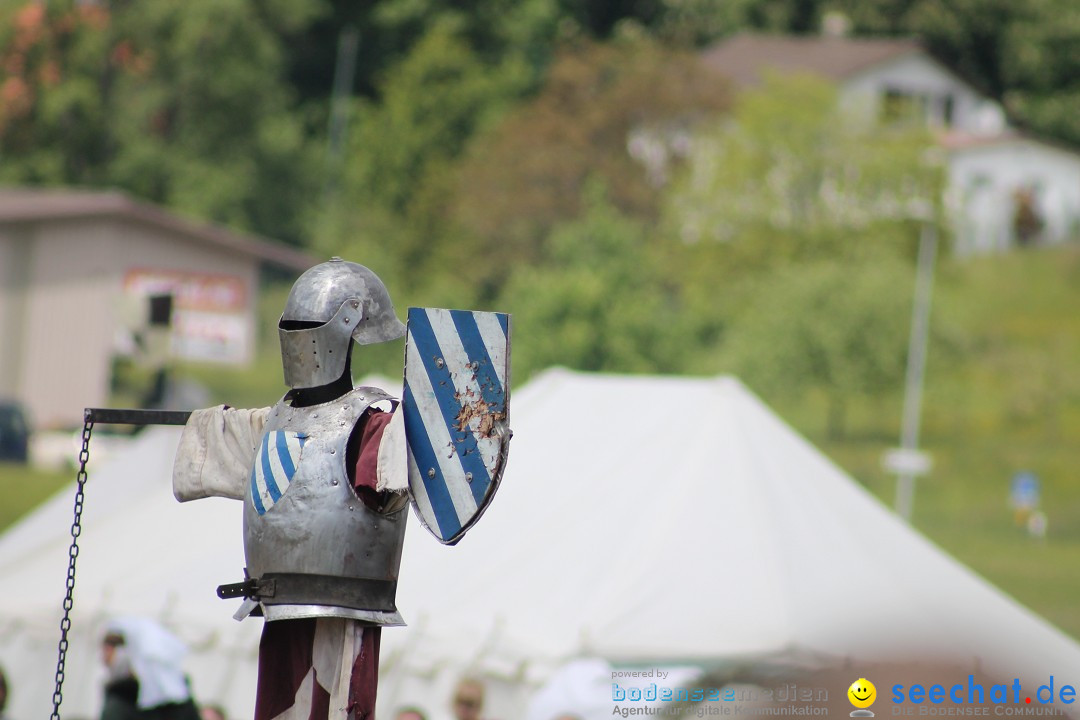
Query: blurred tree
point(622, 111)
point(602, 18)
point(498, 31)
point(431, 105)
point(789, 186)
point(695, 23)
point(393, 204)
point(180, 103)
point(594, 301)
point(841, 327)
point(790, 178)
point(55, 94)
point(208, 127)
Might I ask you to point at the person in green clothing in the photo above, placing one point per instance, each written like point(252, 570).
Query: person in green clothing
point(145, 677)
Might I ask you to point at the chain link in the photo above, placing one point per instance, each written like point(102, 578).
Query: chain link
point(73, 554)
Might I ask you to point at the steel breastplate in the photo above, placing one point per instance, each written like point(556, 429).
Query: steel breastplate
point(313, 547)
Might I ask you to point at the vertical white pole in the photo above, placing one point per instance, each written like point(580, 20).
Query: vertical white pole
point(916, 363)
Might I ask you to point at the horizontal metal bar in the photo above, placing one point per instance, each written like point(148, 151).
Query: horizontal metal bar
point(131, 416)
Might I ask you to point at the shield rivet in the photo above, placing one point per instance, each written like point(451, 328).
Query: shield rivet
point(439, 363)
point(468, 477)
point(333, 451)
point(333, 482)
point(431, 472)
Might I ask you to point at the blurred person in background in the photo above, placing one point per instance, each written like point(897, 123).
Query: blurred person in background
point(468, 699)
point(410, 713)
point(144, 676)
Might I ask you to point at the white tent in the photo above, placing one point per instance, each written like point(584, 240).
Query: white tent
point(678, 520)
point(642, 519)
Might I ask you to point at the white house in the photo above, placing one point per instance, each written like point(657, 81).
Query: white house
point(1005, 188)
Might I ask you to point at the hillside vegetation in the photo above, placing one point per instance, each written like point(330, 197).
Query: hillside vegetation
point(1002, 395)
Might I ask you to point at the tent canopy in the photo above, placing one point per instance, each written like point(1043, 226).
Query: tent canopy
point(668, 519)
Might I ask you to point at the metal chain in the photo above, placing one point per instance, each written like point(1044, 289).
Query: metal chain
point(73, 554)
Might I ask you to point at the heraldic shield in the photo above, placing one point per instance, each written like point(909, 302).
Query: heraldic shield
point(456, 403)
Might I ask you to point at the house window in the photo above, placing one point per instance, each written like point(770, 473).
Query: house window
point(948, 108)
point(899, 106)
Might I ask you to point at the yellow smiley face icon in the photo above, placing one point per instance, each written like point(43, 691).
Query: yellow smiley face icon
point(862, 693)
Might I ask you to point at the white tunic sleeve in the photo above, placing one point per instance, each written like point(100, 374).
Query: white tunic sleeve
point(216, 452)
point(393, 464)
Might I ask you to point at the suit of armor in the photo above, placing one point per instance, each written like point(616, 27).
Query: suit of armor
point(323, 478)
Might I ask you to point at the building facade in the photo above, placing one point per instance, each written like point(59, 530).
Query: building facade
point(85, 277)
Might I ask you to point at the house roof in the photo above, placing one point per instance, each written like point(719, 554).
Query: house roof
point(744, 57)
point(36, 205)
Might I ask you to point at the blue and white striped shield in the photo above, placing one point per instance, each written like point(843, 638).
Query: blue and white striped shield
point(275, 465)
point(456, 403)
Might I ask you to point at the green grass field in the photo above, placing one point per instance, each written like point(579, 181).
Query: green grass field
point(1002, 395)
point(22, 489)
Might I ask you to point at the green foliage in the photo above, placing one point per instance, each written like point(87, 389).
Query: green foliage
point(178, 103)
point(207, 128)
point(788, 180)
point(841, 328)
point(528, 175)
point(594, 302)
point(54, 97)
point(391, 212)
point(797, 225)
point(791, 177)
point(501, 31)
point(431, 105)
point(23, 487)
point(987, 414)
point(694, 23)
